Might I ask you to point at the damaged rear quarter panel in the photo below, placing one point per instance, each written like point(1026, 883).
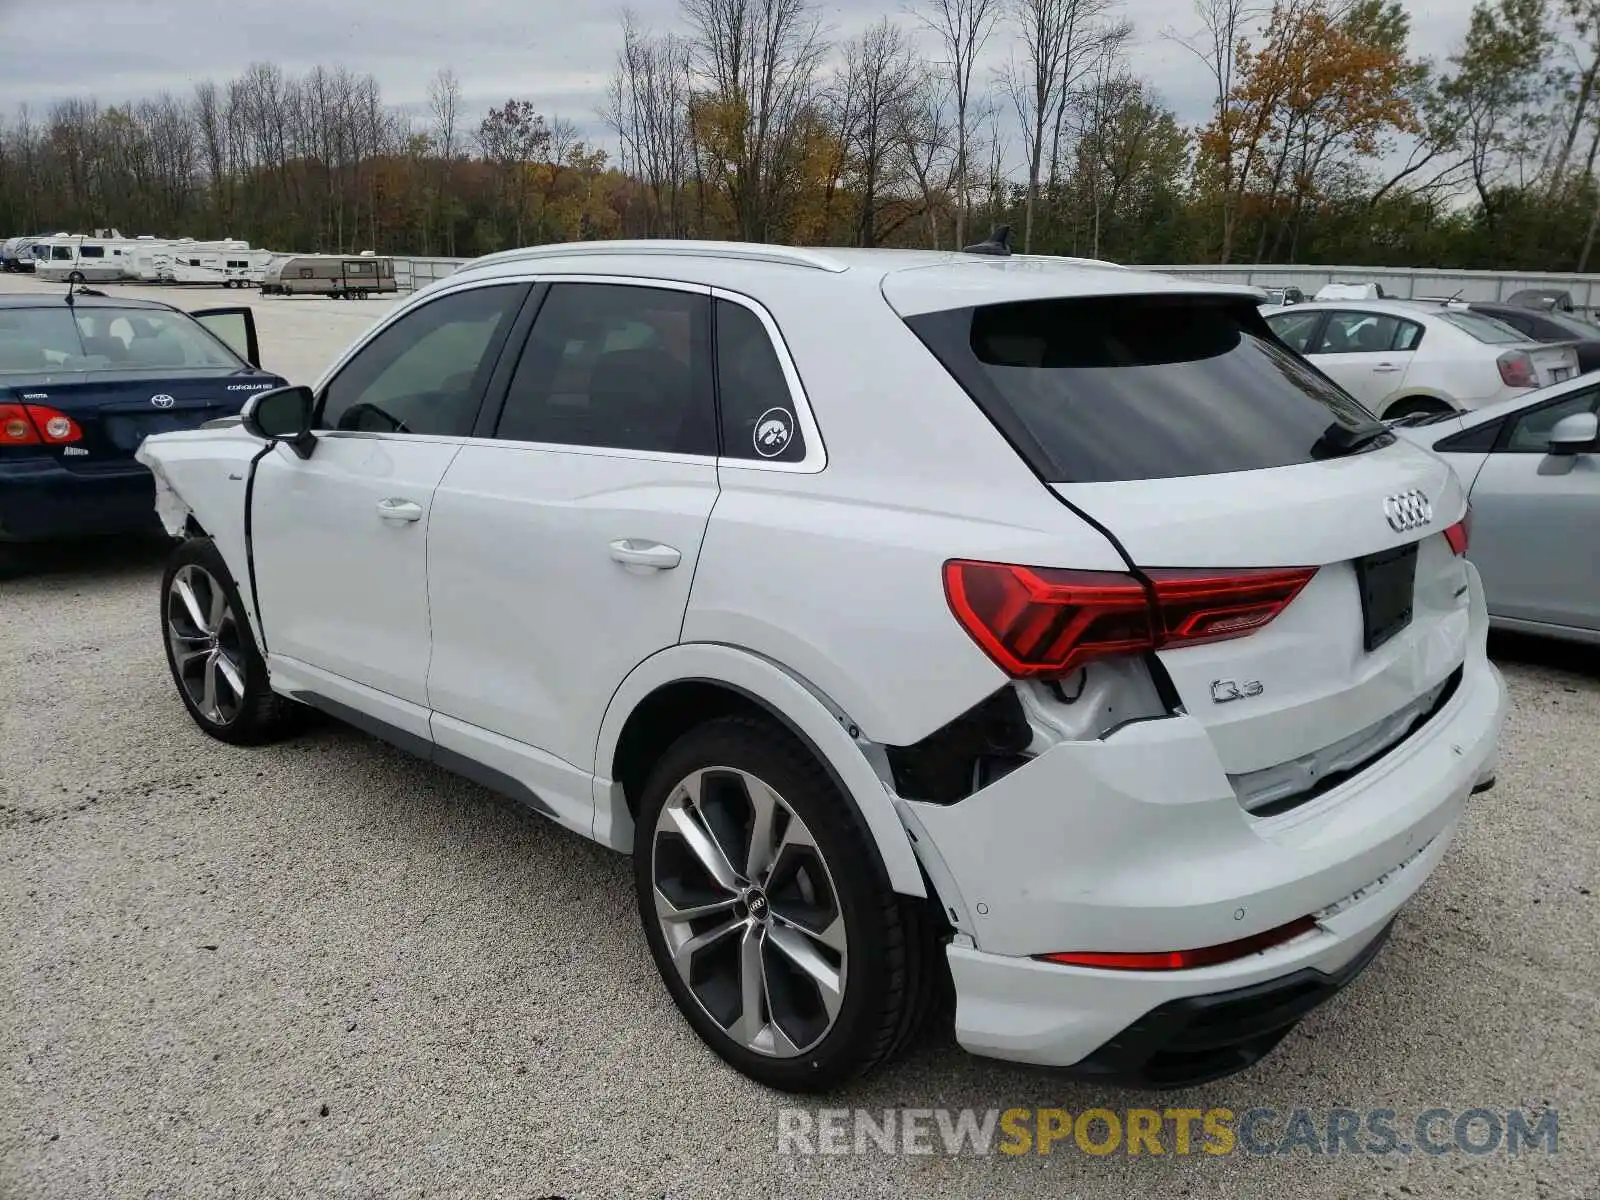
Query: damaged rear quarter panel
point(203, 473)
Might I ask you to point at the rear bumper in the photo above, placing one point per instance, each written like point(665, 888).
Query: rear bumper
point(40, 500)
point(1196, 1039)
point(1138, 843)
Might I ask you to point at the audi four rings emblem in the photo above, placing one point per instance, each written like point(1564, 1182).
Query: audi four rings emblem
point(1408, 510)
point(162, 400)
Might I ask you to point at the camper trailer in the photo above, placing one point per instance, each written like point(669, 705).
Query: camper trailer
point(17, 254)
point(100, 257)
point(229, 262)
point(348, 277)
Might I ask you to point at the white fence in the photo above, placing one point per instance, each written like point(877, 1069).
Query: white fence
point(1405, 282)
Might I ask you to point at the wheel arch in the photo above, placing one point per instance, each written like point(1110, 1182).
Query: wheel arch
point(1417, 393)
point(681, 686)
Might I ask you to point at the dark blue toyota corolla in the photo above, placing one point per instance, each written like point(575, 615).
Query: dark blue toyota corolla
point(83, 382)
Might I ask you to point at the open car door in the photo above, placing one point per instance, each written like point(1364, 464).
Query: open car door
point(236, 327)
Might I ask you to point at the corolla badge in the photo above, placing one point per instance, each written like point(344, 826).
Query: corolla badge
point(774, 428)
point(1225, 691)
point(162, 400)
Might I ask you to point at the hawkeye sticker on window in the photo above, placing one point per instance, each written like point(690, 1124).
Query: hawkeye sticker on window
point(774, 430)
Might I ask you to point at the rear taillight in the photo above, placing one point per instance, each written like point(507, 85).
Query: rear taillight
point(1516, 369)
point(15, 427)
point(32, 424)
point(1044, 622)
point(1460, 533)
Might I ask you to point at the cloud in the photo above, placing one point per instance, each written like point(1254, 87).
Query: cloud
point(558, 55)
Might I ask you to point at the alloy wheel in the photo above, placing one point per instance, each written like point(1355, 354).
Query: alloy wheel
point(749, 912)
point(205, 638)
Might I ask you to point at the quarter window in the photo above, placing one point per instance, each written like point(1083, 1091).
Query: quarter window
point(758, 409)
point(426, 372)
point(1295, 329)
point(615, 366)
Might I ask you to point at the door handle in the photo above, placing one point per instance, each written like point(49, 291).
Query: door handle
point(396, 509)
point(1385, 368)
point(632, 552)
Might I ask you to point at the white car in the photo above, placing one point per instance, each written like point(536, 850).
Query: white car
point(1402, 358)
point(913, 619)
point(1532, 470)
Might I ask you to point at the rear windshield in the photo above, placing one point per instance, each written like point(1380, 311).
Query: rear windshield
point(1574, 327)
point(1485, 329)
point(44, 340)
point(1143, 387)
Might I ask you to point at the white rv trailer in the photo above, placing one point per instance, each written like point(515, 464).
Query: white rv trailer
point(99, 257)
point(229, 262)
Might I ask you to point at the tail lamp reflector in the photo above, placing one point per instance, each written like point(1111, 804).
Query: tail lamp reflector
point(1183, 960)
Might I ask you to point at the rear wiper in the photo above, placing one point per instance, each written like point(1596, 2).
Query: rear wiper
point(1338, 440)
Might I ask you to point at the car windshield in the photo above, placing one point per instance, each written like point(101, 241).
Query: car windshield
point(1144, 387)
point(1485, 329)
point(58, 338)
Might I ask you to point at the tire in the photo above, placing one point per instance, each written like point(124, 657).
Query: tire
point(76, 277)
point(222, 679)
point(823, 898)
point(12, 562)
point(1415, 405)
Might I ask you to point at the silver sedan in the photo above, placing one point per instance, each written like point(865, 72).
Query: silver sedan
point(1532, 467)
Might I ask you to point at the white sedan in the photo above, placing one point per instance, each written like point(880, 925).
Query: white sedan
point(1403, 357)
point(1532, 470)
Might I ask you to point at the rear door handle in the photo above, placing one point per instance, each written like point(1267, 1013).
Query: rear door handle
point(1385, 368)
point(633, 552)
point(396, 509)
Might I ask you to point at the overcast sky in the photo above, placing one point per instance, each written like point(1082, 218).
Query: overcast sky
point(557, 53)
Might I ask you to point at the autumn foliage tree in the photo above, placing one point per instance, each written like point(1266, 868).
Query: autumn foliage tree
point(1326, 81)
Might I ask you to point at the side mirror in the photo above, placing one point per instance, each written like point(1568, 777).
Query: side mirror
point(1576, 434)
point(282, 415)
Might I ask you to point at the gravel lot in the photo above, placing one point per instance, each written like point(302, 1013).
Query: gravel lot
point(322, 968)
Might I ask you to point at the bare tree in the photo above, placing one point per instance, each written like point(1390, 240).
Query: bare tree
point(1216, 45)
point(444, 111)
point(1063, 42)
point(963, 27)
point(927, 139)
point(757, 63)
point(647, 105)
point(877, 86)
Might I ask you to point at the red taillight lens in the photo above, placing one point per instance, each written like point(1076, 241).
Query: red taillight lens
point(15, 427)
point(1208, 606)
point(1183, 960)
point(1044, 622)
point(57, 428)
point(1516, 369)
point(31, 424)
point(1459, 534)
point(1040, 621)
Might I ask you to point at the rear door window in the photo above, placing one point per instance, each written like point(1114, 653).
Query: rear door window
point(1143, 387)
point(615, 366)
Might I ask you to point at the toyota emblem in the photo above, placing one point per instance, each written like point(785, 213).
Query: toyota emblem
point(162, 401)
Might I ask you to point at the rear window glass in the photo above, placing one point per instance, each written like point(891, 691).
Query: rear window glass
point(1485, 329)
point(44, 340)
point(1143, 387)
